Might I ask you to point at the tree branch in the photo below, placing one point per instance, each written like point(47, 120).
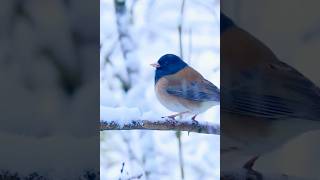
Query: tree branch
point(163, 124)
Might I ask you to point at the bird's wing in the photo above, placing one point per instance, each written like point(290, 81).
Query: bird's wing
point(195, 90)
point(275, 91)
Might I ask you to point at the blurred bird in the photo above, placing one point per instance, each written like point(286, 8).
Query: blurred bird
point(265, 101)
point(182, 89)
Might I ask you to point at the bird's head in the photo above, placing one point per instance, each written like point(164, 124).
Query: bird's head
point(168, 64)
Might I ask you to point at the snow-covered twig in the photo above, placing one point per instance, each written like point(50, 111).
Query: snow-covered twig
point(161, 124)
point(127, 44)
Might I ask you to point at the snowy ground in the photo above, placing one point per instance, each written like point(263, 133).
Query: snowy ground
point(154, 33)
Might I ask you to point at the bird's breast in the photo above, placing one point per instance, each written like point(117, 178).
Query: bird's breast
point(169, 101)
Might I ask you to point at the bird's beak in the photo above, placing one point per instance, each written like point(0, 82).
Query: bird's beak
point(156, 65)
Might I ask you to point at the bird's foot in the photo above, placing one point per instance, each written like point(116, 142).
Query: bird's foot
point(173, 117)
point(194, 121)
point(251, 173)
point(249, 164)
point(245, 172)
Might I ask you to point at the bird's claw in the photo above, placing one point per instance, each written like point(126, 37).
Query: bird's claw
point(251, 173)
point(195, 122)
point(249, 164)
point(170, 117)
point(243, 174)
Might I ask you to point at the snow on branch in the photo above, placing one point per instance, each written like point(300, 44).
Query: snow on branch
point(161, 124)
point(124, 118)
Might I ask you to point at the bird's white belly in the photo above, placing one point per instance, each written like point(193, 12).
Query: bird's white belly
point(171, 103)
point(204, 106)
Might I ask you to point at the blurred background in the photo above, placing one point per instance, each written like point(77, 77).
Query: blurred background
point(133, 34)
point(290, 28)
point(49, 89)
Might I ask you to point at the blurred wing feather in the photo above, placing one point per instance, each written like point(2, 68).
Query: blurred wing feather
point(281, 93)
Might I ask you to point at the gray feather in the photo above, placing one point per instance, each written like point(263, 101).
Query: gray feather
point(196, 91)
point(281, 93)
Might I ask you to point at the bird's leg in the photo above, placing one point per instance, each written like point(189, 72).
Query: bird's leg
point(194, 119)
point(248, 166)
point(175, 115)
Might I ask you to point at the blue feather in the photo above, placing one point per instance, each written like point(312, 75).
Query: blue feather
point(169, 64)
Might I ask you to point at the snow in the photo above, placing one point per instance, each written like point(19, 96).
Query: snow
point(154, 33)
point(121, 115)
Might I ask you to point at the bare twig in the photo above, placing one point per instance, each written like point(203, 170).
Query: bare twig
point(110, 52)
point(132, 177)
point(163, 124)
point(180, 27)
point(190, 46)
point(135, 177)
point(133, 4)
point(178, 133)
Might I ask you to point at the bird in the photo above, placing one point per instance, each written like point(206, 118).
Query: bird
point(182, 89)
point(265, 102)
